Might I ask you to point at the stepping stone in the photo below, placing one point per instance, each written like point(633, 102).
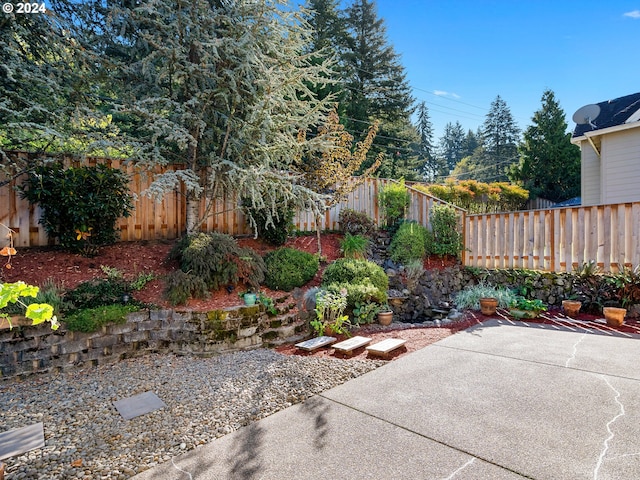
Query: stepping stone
point(348, 346)
point(315, 343)
point(21, 440)
point(132, 407)
point(385, 347)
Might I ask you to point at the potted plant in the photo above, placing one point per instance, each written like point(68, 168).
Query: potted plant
point(385, 315)
point(523, 307)
point(329, 313)
point(571, 307)
point(249, 296)
point(483, 297)
point(614, 315)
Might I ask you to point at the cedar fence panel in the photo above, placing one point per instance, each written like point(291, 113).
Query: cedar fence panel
point(558, 239)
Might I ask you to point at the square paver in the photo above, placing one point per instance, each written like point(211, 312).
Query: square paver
point(132, 407)
point(21, 440)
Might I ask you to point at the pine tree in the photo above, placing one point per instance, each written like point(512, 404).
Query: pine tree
point(217, 90)
point(378, 89)
point(500, 135)
point(549, 163)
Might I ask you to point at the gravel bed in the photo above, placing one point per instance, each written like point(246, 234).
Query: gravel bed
point(85, 437)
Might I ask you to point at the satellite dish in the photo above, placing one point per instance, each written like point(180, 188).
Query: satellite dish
point(587, 114)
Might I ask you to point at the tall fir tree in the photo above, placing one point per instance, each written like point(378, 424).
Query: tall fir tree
point(218, 90)
point(500, 135)
point(328, 40)
point(549, 164)
point(378, 90)
point(452, 145)
point(431, 166)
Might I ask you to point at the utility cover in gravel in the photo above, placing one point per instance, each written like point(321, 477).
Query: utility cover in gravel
point(21, 440)
point(132, 407)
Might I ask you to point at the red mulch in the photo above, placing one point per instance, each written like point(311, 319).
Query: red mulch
point(37, 265)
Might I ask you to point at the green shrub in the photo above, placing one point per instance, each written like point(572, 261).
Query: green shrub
point(218, 260)
point(354, 246)
point(97, 293)
point(180, 286)
point(288, 268)
point(355, 223)
point(408, 243)
point(80, 206)
point(91, 319)
point(394, 200)
point(50, 293)
point(355, 271)
point(445, 237)
point(359, 292)
point(273, 227)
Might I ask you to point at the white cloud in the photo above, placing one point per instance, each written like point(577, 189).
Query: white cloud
point(442, 93)
point(633, 14)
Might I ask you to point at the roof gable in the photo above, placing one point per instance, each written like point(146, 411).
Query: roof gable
point(612, 113)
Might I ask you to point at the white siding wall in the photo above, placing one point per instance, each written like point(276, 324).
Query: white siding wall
point(621, 162)
point(590, 174)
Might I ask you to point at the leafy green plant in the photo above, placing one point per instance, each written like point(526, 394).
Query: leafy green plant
point(180, 286)
point(288, 268)
point(91, 319)
point(593, 288)
point(274, 228)
point(38, 312)
point(354, 246)
point(469, 297)
point(408, 243)
point(528, 305)
point(445, 237)
point(329, 313)
point(355, 223)
point(80, 205)
point(628, 284)
point(394, 200)
point(141, 281)
point(218, 260)
point(268, 303)
point(364, 291)
point(365, 312)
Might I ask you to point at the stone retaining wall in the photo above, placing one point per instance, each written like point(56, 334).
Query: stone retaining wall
point(27, 349)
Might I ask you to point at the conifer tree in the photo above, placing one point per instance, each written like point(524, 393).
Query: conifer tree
point(500, 135)
point(215, 90)
point(378, 90)
point(549, 164)
point(452, 145)
point(431, 166)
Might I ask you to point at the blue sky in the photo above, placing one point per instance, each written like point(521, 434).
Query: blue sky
point(460, 54)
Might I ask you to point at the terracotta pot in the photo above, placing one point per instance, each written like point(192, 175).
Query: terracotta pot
point(488, 305)
point(614, 315)
point(385, 318)
point(571, 307)
point(2, 465)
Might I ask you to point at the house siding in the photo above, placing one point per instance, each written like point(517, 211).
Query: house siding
point(590, 175)
point(621, 172)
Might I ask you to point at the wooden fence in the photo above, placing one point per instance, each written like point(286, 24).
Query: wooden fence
point(557, 239)
point(167, 219)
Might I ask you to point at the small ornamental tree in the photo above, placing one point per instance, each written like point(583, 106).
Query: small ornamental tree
point(331, 170)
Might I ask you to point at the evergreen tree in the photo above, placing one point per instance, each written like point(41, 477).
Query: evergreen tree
point(452, 145)
point(217, 90)
point(328, 40)
point(378, 89)
point(549, 163)
point(471, 142)
point(500, 135)
point(44, 102)
point(431, 166)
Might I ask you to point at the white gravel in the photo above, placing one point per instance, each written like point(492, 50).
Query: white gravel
point(205, 398)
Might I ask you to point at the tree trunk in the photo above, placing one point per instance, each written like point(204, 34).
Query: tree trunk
point(318, 220)
point(193, 216)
